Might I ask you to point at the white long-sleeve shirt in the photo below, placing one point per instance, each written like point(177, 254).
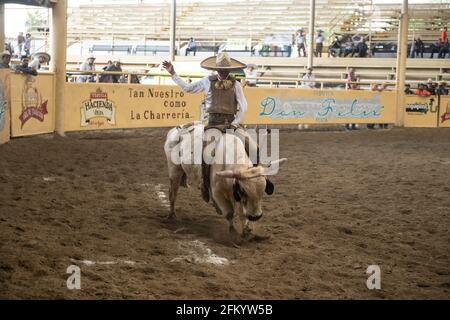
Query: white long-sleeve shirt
point(204, 85)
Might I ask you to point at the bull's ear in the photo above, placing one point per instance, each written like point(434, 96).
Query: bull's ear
point(237, 192)
point(270, 188)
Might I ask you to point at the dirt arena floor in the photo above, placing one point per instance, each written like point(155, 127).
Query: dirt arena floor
point(344, 201)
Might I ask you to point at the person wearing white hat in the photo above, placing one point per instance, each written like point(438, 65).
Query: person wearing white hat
point(38, 59)
point(88, 65)
point(6, 59)
point(225, 101)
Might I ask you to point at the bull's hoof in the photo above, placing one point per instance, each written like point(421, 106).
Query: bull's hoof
point(235, 237)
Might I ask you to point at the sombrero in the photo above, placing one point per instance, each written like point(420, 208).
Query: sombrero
point(222, 62)
point(42, 54)
point(5, 53)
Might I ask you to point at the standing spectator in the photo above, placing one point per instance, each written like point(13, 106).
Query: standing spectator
point(351, 77)
point(361, 49)
point(191, 47)
point(301, 40)
point(250, 72)
point(20, 42)
point(335, 48)
point(88, 65)
point(380, 88)
point(6, 59)
point(444, 35)
point(422, 91)
point(38, 59)
point(441, 89)
point(418, 47)
point(23, 67)
point(319, 44)
point(435, 48)
point(27, 45)
point(308, 76)
point(108, 64)
point(117, 67)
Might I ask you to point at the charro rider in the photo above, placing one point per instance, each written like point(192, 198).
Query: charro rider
point(225, 101)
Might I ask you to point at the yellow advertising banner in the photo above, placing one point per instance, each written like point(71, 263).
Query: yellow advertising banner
point(421, 111)
point(5, 103)
point(444, 114)
point(32, 104)
point(92, 106)
point(292, 106)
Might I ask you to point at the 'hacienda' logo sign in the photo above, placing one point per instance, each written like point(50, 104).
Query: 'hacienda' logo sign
point(98, 106)
point(32, 104)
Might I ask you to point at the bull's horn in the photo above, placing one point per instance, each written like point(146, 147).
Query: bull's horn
point(272, 167)
point(228, 174)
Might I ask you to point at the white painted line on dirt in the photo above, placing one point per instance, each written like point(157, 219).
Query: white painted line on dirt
point(198, 252)
point(91, 263)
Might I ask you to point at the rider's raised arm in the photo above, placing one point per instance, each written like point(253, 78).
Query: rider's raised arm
point(195, 87)
point(242, 103)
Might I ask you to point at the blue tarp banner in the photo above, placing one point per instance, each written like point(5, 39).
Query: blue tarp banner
point(39, 3)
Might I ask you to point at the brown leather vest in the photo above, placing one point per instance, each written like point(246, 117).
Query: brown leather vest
point(223, 101)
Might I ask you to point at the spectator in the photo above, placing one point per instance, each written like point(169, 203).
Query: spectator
point(27, 45)
point(301, 41)
point(20, 42)
point(108, 64)
point(23, 67)
point(431, 86)
point(335, 48)
point(441, 89)
point(319, 44)
point(380, 87)
point(418, 47)
point(348, 47)
point(444, 35)
point(408, 89)
point(38, 59)
point(88, 65)
point(191, 47)
point(435, 48)
point(445, 48)
point(361, 49)
point(422, 91)
point(250, 72)
point(6, 59)
point(10, 48)
point(351, 77)
point(116, 67)
point(309, 77)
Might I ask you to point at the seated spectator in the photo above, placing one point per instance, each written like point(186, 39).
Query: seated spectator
point(422, 91)
point(5, 60)
point(110, 78)
point(335, 48)
point(408, 89)
point(23, 67)
point(108, 64)
point(435, 48)
point(191, 47)
point(361, 49)
point(431, 86)
point(88, 65)
point(445, 48)
point(250, 72)
point(441, 89)
point(348, 47)
point(308, 76)
point(39, 59)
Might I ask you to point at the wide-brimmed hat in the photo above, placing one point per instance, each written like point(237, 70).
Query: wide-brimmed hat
point(6, 53)
point(42, 54)
point(91, 56)
point(222, 62)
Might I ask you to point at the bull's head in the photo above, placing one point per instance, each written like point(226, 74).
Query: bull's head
point(250, 185)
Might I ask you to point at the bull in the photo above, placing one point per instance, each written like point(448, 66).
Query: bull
point(237, 186)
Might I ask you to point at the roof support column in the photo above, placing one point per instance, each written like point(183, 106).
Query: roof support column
point(312, 18)
point(402, 48)
point(173, 20)
point(2, 27)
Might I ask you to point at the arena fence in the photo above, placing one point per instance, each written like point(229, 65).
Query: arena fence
point(30, 105)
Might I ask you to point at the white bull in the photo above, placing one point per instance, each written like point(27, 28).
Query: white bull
point(236, 186)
